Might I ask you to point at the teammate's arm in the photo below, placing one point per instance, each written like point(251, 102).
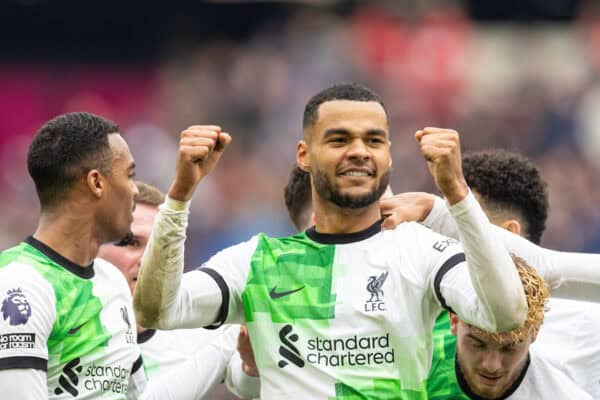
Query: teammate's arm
point(570, 275)
point(489, 267)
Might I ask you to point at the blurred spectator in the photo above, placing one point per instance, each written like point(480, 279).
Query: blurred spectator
point(524, 88)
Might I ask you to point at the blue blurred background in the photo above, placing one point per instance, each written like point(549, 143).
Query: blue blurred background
point(520, 76)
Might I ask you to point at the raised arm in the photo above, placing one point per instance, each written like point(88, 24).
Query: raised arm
point(163, 299)
point(490, 268)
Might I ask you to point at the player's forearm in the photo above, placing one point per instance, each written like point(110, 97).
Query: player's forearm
point(159, 280)
point(439, 219)
point(491, 269)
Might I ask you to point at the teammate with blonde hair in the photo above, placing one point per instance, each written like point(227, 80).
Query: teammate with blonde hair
point(501, 365)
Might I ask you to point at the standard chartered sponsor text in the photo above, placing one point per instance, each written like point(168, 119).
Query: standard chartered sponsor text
point(106, 378)
point(350, 351)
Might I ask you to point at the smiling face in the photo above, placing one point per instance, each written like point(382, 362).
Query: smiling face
point(127, 254)
point(489, 367)
point(347, 152)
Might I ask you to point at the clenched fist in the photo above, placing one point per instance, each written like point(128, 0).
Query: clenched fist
point(200, 148)
point(441, 149)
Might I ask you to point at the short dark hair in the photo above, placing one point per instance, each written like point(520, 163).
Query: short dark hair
point(64, 149)
point(149, 194)
point(509, 182)
point(340, 91)
point(298, 199)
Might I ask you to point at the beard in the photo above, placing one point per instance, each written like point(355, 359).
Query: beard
point(327, 190)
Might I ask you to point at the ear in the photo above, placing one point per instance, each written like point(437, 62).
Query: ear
point(95, 183)
point(302, 156)
point(534, 336)
point(512, 225)
point(453, 324)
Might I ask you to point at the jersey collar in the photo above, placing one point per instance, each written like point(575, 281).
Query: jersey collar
point(343, 238)
point(145, 335)
point(82, 272)
point(467, 390)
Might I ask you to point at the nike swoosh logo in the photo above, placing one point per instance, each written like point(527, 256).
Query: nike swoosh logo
point(274, 295)
point(76, 329)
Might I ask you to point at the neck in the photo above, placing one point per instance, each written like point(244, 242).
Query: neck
point(71, 234)
point(332, 219)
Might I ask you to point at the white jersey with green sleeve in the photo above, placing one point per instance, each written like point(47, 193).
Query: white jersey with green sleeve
point(345, 316)
point(74, 324)
point(570, 340)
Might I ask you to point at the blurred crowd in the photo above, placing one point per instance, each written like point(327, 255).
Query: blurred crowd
point(533, 89)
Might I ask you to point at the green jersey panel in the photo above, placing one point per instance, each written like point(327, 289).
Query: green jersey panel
point(348, 320)
point(442, 382)
point(80, 326)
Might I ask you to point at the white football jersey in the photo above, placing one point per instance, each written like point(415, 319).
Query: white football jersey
point(76, 324)
point(569, 339)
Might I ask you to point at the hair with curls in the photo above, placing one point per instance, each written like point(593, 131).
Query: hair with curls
point(149, 194)
point(509, 184)
point(537, 294)
point(298, 199)
point(66, 148)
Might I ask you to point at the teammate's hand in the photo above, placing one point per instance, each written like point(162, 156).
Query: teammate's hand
point(441, 149)
point(244, 347)
point(200, 148)
point(405, 207)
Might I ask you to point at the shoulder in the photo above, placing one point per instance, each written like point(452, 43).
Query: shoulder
point(23, 277)
point(25, 261)
point(242, 248)
point(28, 306)
point(415, 231)
point(581, 319)
point(108, 272)
point(417, 240)
point(549, 380)
point(583, 312)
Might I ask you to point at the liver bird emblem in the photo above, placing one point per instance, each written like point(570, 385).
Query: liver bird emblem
point(374, 286)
